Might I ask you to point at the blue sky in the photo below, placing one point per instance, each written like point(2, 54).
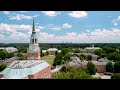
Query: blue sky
point(60, 26)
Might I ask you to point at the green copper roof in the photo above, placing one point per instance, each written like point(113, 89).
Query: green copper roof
point(21, 69)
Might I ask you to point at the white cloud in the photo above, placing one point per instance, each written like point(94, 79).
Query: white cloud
point(77, 14)
point(21, 16)
point(14, 34)
point(114, 21)
point(96, 36)
point(6, 12)
point(57, 28)
point(51, 13)
point(115, 24)
point(66, 25)
point(118, 18)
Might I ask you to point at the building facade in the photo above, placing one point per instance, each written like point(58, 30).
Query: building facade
point(51, 51)
point(100, 66)
point(91, 49)
point(33, 52)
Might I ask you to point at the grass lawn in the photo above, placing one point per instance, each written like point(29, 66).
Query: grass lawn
point(49, 59)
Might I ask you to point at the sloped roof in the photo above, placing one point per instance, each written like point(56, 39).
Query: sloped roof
point(52, 49)
point(21, 69)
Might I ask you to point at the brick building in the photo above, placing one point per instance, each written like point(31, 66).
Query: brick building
point(100, 66)
point(27, 69)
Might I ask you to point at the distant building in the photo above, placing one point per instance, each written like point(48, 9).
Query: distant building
point(27, 69)
point(100, 66)
point(91, 49)
point(94, 57)
point(9, 49)
point(51, 51)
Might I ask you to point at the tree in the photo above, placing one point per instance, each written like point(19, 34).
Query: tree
point(91, 68)
point(113, 56)
point(76, 51)
point(64, 69)
point(117, 67)
point(102, 55)
point(2, 67)
point(67, 57)
point(22, 49)
point(89, 57)
point(115, 76)
point(64, 51)
point(41, 53)
point(10, 55)
point(47, 53)
point(110, 50)
point(58, 60)
point(82, 57)
point(72, 73)
point(19, 55)
point(3, 54)
point(109, 67)
point(99, 51)
point(56, 52)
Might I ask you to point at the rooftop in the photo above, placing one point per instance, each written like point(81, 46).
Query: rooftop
point(21, 69)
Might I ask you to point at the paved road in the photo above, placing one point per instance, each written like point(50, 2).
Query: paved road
point(57, 69)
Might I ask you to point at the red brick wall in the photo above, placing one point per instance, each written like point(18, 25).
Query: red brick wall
point(35, 54)
point(100, 68)
point(45, 73)
point(1, 75)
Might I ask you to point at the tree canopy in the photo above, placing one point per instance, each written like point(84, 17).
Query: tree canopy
point(117, 67)
point(2, 67)
point(109, 67)
point(58, 60)
point(91, 68)
point(72, 73)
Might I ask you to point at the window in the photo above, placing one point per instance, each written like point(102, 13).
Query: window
point(32, 40)
point(35, 40)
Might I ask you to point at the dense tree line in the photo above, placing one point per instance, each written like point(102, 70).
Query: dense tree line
point(108, 52)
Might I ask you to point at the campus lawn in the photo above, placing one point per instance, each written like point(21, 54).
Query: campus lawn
point(49, 59)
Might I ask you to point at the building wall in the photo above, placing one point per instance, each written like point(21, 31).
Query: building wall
point(45, 73)
point(1, 75)
point(94, 58)
point(51, 52)
point(99, 68)
point(36, 55)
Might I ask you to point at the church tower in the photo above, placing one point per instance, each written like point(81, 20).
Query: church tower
point(33, 52)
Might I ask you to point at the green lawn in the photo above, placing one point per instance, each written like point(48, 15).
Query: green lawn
point(49, 59)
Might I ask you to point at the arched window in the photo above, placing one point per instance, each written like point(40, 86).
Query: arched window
point(32, 40)
point(35, 40)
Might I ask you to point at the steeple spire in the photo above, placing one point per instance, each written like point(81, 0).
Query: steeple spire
point(33, 26)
